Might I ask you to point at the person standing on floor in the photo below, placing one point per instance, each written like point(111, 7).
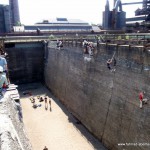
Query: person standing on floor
point(50, 104)
point(45, 148)
point(46, 104)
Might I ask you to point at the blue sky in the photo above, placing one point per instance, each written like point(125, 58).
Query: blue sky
point(32, 11)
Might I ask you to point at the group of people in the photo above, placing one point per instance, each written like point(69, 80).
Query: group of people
point(45, 99)
point(88, 51)
point(88, 48)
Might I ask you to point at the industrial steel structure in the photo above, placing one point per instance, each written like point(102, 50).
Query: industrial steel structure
point(145, 7)
point(14, 12)
point(141, 15)
point(114, 19)
point(5, 24)
point(9, 16)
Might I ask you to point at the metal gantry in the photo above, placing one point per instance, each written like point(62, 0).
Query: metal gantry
point(145, 7)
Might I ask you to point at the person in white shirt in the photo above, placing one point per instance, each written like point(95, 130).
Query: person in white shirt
point(3, 63)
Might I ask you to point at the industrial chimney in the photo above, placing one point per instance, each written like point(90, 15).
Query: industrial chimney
point(14, 12)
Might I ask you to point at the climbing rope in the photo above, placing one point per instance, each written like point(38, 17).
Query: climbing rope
point(108, 106)
point(110, 98)
point(113, 55)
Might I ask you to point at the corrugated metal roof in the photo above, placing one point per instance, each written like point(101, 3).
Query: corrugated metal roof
point(49, 25)
point(63, 21)
point(96, 29)
point(133, 22)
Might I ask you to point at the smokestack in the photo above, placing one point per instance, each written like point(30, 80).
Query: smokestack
point(107, 5)
point(114, 3)
point(14, 12)
point(106, 16)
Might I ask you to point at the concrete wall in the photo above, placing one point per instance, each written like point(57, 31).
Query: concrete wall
point(105, 102)
point(12, 131)
point(25, 61)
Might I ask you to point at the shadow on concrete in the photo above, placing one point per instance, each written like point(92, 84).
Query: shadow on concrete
point(97, 145)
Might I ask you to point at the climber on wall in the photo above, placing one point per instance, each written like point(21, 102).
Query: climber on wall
point(59, 44)
point(90, 49)
point(110, 61)
point(85, 46)
point(142, 99)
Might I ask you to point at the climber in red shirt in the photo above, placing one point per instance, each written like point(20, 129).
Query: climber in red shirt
point(142, 99)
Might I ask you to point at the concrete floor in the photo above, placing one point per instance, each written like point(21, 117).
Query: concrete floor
point(56, 128)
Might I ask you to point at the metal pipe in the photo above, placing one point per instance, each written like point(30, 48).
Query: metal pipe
point(132, 3)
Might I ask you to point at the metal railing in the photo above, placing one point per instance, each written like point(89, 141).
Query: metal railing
point(121, 39)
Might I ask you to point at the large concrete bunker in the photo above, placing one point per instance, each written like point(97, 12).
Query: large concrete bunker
point(105, 102)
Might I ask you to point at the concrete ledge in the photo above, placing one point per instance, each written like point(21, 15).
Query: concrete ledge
point(12, 135)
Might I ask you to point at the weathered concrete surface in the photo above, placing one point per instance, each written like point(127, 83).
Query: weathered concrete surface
point(55, 128)
point(12, 133)
point(105, 102)
point(25, 61)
